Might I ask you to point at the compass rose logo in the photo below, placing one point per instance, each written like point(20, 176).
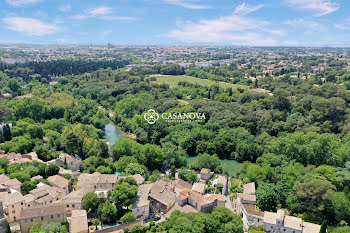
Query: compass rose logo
point(151, 116)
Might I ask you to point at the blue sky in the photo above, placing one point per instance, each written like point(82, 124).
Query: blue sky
point(174, 22)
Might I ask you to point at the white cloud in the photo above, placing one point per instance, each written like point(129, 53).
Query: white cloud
point(120, 18)
point(342, 26)
point(231, 29)
point(102, 12)
point(30, 26)
point(245, 9)
point(345, 25)
point(302, 23)
point(22, 2)
point(107, 32)
point(188, 5)
point(322, 7)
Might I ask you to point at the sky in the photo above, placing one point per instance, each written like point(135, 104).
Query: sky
point(176, 22)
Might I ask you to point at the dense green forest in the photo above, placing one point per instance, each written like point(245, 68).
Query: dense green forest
point(295, 143)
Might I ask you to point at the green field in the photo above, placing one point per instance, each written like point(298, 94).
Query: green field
point(173, 80)
point(231, 165)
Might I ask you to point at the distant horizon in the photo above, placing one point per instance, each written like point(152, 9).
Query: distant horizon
point(281, 23)
point(169, 45)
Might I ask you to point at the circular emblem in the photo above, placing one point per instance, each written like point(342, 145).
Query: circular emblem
point(151, 116)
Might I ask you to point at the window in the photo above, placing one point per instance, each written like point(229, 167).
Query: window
point(13, 211)
point(42, 218)
point(272, 227)
point(68, 206)
point(58, 215)
point(21, 203)
point(13, 206)
point(73, 205)
point(25, 220)
point(31, 220)
point(51, 216)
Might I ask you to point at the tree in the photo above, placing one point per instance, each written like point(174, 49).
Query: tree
point(124, 161)
point(53, 227)
point(124, 194)
point(6, 113)
point(125, 147)
point(14, 85)
point(20, 175)
point(136, 168)
point(107, 212)
point(269, 196)
point(207, 161)
point(52, 169)
point(21, 144)
point(90, 202)
point(224, 220)
point(345, 229)
point(323, 227)
point(104, 170)
point(314, 193)
point(341, 206)
point(154, 156)
point(82, 111)
point(73, 139)
point(7, 133)
point(172, 171)
point(174, 155)
point(96, 222)
point(29, 185)
point(188, 175)
point(128, 218)
point(33, 108)
point(35, 229)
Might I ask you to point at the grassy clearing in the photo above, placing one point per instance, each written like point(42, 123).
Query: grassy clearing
point(173, 81)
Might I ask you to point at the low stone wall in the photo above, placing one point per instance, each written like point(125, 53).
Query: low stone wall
point(120, 227)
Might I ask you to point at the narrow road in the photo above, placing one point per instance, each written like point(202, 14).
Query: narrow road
point(228, 204)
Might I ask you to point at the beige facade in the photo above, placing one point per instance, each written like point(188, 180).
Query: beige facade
point(78, 222)
point(205, 174)
point(13, 203)
point(97, 181)
point(73, 201)
point(279, 222)
point(51, 213)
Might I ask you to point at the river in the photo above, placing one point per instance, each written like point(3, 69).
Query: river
point(112, 133)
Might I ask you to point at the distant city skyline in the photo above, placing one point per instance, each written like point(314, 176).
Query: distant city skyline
point(306, 23)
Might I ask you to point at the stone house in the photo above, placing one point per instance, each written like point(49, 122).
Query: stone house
point(205, 174)
point(78, 222)
point(51, 213)
point(59, 181)
point(13, 204)
point(279, 222)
